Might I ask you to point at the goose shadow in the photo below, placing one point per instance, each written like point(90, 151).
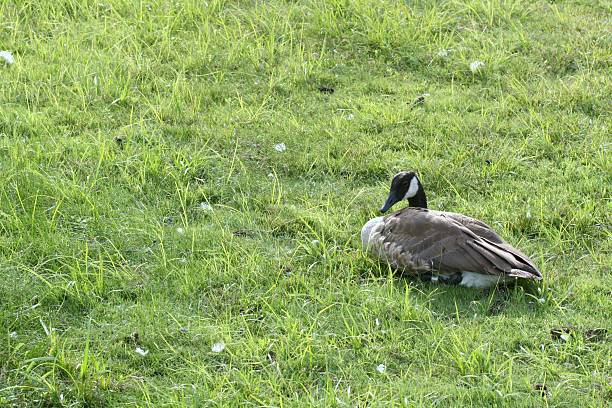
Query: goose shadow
point(513, 299)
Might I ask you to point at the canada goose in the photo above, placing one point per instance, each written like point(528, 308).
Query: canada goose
point(443, 246)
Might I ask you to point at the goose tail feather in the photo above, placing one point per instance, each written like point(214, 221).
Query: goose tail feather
point(519, 273)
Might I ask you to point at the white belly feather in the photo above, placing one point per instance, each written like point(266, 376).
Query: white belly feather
point(481, 281)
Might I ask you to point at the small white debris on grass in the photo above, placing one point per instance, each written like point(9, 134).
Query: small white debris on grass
point(280, 147)
point(443, 53)
point(141, 351)
point(7, 56)
point(564, 337)
point(180, 231)
point(350, 116)
point(13, 335)
point(476, 65)
point(218, 347)
point(377, 322)
point(381, 368)
point(205, 206)
point(44, 326)
point(541, 300)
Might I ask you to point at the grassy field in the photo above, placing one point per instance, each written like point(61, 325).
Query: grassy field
point(179, 176)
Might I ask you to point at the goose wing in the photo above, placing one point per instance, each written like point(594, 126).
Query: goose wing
point(484, 231)
point(415, 236)
point(476, 226)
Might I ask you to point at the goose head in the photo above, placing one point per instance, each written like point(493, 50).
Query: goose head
point(405, 186)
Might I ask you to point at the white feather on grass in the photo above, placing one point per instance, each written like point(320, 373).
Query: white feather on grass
point(7, 56)
point(476, 66)
point(218, 347)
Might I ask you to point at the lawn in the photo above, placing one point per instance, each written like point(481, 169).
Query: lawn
point(183, 184)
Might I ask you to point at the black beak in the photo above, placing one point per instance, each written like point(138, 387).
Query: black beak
point(392, 199)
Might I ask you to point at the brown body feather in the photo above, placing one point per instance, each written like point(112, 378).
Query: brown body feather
point(419, 240)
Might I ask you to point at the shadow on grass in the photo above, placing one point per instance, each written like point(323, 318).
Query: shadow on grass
point(452, 301)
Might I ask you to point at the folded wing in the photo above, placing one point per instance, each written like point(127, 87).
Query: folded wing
point(451, 243)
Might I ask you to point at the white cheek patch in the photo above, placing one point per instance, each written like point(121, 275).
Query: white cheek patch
point(412, 189)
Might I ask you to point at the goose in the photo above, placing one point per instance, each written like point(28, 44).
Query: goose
point(441, 246)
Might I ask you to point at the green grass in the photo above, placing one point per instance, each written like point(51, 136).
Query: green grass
point(118, 119)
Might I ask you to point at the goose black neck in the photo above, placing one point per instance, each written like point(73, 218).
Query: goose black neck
point(419, 200)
